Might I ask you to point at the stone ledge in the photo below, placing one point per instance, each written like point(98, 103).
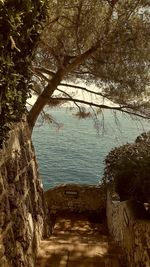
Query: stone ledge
point(76, 198)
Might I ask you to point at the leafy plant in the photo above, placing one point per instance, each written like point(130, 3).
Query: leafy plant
point(128, 169)
point(20, 26)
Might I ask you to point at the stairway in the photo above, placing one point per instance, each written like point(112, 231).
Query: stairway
point(76, 241)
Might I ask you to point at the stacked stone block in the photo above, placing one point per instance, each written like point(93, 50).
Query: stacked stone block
point(76, 198)
point(23, 219)
point(130, 227)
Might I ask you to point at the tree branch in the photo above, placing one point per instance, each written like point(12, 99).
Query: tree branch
point(43, 70)
point(119, 108)
point(84, 56)
point(69, 97)
point(29, 104)
point(41, 75)
point(85, 89)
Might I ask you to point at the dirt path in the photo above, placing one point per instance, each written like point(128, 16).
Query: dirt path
point(77, 242)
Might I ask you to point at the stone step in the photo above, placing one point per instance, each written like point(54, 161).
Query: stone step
point(64, 259)
point(76, 242)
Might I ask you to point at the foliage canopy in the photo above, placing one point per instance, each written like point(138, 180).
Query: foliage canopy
point(100, 42)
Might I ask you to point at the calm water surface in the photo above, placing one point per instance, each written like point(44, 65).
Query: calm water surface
point(75, 153)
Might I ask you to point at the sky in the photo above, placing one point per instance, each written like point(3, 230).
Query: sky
point(79, 94)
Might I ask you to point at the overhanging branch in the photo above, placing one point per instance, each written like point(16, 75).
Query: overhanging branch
point(69, 97)
point(82, 88)
point(119, 108)
point(86, 90)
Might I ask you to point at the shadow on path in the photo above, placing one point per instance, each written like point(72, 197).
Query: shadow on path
point(77, 241)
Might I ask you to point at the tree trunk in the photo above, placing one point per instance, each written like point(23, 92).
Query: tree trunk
point(43, 98)
point(52, 86)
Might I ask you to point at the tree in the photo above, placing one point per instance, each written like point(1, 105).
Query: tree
point(101, 42)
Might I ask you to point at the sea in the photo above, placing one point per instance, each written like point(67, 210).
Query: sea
point(75, 152)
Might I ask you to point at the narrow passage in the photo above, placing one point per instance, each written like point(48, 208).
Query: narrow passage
point(76, 241)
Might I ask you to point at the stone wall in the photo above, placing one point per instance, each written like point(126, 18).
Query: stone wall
point(22, 208)
point(129, 226)
point(76, 198)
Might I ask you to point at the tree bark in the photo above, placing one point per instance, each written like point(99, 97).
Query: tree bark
point(55, 81)
point(52, 86)
point(43, 98)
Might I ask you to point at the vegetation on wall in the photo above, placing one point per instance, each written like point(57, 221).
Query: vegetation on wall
point(127, 168)
point(20, 27)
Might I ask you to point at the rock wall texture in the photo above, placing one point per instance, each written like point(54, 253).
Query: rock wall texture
point(76, 198)
point(23, 218)
point(129, 227)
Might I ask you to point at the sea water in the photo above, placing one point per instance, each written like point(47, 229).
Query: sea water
point(75, 153)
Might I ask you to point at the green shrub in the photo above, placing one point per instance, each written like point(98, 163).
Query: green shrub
point(127, 168)
point(20, 27)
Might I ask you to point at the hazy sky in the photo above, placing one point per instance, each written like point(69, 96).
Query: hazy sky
point(79, 94)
